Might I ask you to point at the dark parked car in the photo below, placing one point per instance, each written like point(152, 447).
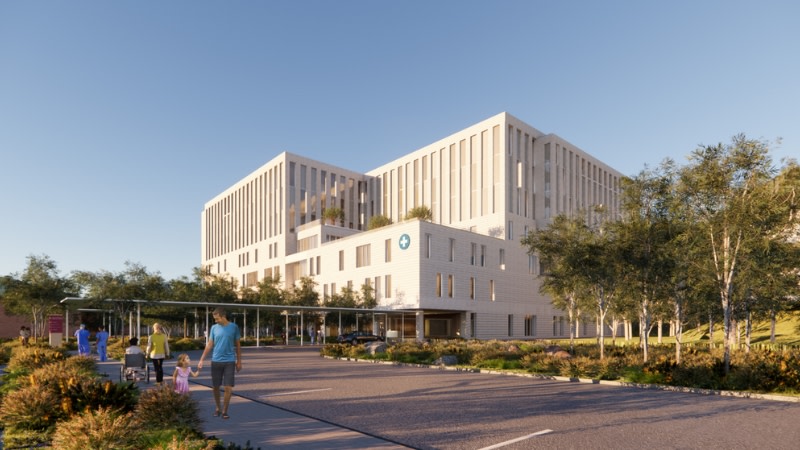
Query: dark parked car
point(357, 337)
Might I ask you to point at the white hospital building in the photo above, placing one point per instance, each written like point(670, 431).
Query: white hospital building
point(464, 274)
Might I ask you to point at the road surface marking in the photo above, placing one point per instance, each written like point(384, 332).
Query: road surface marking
point(295, 392)
point(503, 444)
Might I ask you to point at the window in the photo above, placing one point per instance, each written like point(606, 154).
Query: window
point(362, 255)
point(319, 268)
point(428, 242)
point(530, 325)
point(473, 253)
point(483, 256)
point(502, 259)
point(452, 249)
point(558, 325)
point(510, 325)
point(341, 259)
point(491, 290)
point(387, 286)
point(438, 284)
point(387, 247)
point(510, 231)
point(472, 324)
point(377, 288)
point(472, 288)
point(450, 286)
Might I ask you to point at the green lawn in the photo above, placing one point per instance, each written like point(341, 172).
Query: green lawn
point(787, 332)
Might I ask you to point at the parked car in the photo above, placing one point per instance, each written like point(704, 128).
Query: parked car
point(357, 337)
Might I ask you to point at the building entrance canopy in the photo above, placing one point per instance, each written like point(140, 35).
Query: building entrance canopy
point(286, 310)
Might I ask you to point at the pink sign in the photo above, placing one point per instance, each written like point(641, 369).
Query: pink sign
point(56, 323)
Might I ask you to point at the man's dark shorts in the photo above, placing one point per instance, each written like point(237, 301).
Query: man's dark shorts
point(222, 373)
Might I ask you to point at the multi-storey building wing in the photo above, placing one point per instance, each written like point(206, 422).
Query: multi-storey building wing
point(464, 273)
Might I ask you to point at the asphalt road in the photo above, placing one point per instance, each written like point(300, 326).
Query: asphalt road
point(428, 408)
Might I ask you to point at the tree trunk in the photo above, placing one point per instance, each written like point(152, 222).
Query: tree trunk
point(678, 330)
point(711, 328)
point(772, 319)
point(572, 327)
point(601, 316)
point(644, 327)
point(748, 330)
point(660, 332)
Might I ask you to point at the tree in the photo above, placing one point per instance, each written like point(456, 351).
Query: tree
point(577, 258)
point(378, 221)
point(724, 190)
point(303, 295)
point(558, 246)
point(771, 264)
point(647, 234)
point(38, 292)
point(333, 214)
point(135, 282)
point(368, 299)
point(421, 213)
point(345, 298)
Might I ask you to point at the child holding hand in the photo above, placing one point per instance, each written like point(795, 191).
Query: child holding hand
point(180, 378)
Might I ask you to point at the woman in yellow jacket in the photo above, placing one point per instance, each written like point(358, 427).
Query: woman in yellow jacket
point(157, 350)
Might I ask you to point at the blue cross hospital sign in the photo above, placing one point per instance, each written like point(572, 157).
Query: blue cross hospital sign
point(405, 241)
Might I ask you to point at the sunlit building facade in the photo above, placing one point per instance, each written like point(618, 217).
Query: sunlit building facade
point(463, 274)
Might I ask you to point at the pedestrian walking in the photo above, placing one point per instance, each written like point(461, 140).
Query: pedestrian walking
point(180, 378)
point(226, 359)
point(157, 350)
point(82, 335)
point(24, 335)
point(102, 343)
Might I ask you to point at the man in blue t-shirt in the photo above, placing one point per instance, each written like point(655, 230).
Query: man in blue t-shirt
point(226, 358)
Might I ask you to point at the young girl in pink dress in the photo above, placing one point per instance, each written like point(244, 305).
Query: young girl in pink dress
point(180, 378)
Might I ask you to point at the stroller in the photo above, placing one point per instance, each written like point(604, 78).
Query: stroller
point(135, 368)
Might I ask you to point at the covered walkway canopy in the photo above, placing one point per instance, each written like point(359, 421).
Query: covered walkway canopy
point(284, 309)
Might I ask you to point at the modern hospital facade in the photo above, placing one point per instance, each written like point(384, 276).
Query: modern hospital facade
point(463, 274)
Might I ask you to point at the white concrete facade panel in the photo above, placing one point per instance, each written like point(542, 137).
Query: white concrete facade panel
point(465, 272)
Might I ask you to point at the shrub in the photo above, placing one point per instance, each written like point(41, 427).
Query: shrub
point(5, 352)
point(541, 363)
point(52, 376)
point(26, 359)
point(163, 408)
point(580, 367)
point(31, 408)
point(86, 394)
point(157, 440)
point(102, 429)
point(186, 344)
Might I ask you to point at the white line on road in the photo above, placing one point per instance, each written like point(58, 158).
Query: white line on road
point(295, 392)
point(503, 444)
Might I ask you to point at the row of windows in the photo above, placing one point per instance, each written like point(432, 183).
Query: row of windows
point(476, 258)
point(529, 324)
point(381, 287)
point(447, 285)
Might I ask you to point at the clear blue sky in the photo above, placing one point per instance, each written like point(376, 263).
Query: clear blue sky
point(120, 119)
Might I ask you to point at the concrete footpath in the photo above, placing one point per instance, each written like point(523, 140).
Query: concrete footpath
point(261, 425)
